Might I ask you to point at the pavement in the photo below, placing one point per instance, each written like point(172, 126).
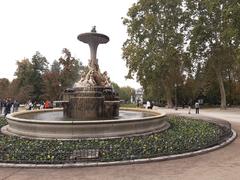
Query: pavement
point(222, 164)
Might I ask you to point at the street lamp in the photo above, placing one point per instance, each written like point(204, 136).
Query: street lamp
point(175, 85)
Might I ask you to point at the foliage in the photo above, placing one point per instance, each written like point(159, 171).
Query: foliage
point(184, 135)
point(115, 87)
point(39, 67)
point(125, 93)
point(35, 81)
point(215, 36)
point(24, 93)
point(70, 69)
point(55, 67)
point(52, 86)
point(23, 72)
point(29, 78)
point(154, 49)
point(190, 43)
point(4, 85)
point(62, 75)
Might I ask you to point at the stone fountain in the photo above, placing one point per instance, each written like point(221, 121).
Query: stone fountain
point(93, 96)
point(90, 109)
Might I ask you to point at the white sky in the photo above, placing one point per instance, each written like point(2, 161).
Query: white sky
point(48, 26)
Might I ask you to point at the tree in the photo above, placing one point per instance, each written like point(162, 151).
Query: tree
point(125, 93)
point(63, 74)
point(23, 81)
point(55, 67)
point(154, 49)
point(29, 76)
point(52, 84)
point(24, 93)
point(4, 85)
point(215, 36)
point(39, 67)
point(24, 71)
point(36, 81)
point(115, 87)
point(70, 71)
point(13, 89)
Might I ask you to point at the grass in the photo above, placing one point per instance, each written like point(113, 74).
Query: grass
point(184, 135)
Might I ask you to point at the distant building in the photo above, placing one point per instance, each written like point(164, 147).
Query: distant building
point(139, 96)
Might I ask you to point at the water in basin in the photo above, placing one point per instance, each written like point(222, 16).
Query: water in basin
point(58, 116)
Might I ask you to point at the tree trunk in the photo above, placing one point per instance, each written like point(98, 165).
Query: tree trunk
point(168, 97)
point(222, 89)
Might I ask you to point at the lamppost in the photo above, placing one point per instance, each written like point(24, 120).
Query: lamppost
point(175, 85)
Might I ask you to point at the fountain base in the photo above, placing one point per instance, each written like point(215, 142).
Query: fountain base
point(88, 103)
point(26, 124)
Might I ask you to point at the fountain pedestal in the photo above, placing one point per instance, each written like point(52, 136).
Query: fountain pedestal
point(93, 97)
point(90, 103)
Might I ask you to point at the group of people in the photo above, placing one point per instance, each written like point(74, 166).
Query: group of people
point(38, 105)
point(8, 106)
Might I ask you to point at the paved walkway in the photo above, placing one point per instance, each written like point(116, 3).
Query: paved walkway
point(222, 164)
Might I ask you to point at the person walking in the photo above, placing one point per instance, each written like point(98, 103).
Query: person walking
point(197, 107)
point(15, 106)
point(4, 106)
point(148, 105)
point(189, 108)
point(1, 105)
point(8, 107)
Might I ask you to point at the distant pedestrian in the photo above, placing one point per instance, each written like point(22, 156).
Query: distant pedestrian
point(8, 107)
point(197, 107)
point(183, 105)
point(1, 105)
point(148, 105)
point(29, 105)
point(189, 109)
point(138, 103)
point(189, 106)
point(151, 105)
point(15, 106)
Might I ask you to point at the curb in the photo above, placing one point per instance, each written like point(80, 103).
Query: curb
point(91, 164)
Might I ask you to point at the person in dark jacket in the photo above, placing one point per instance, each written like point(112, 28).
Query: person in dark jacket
point(1, 105)
point(8, 106)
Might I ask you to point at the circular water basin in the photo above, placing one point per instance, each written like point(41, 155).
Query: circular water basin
point(58, 116)
point(50, 124)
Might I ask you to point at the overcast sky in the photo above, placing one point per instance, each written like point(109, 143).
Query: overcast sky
point(48, 26)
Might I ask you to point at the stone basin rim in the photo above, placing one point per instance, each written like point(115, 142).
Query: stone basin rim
point(155, 115)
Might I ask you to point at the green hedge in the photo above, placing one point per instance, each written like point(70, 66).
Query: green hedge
point(184, 135)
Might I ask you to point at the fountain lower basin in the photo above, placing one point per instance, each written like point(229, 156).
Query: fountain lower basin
point(138, 121)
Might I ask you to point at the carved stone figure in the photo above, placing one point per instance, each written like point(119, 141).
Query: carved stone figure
point(94, 77)
point(107, 82)
point(91, 80)
point(93, 29)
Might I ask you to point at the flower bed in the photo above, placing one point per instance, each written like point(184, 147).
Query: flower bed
point(184, 135)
